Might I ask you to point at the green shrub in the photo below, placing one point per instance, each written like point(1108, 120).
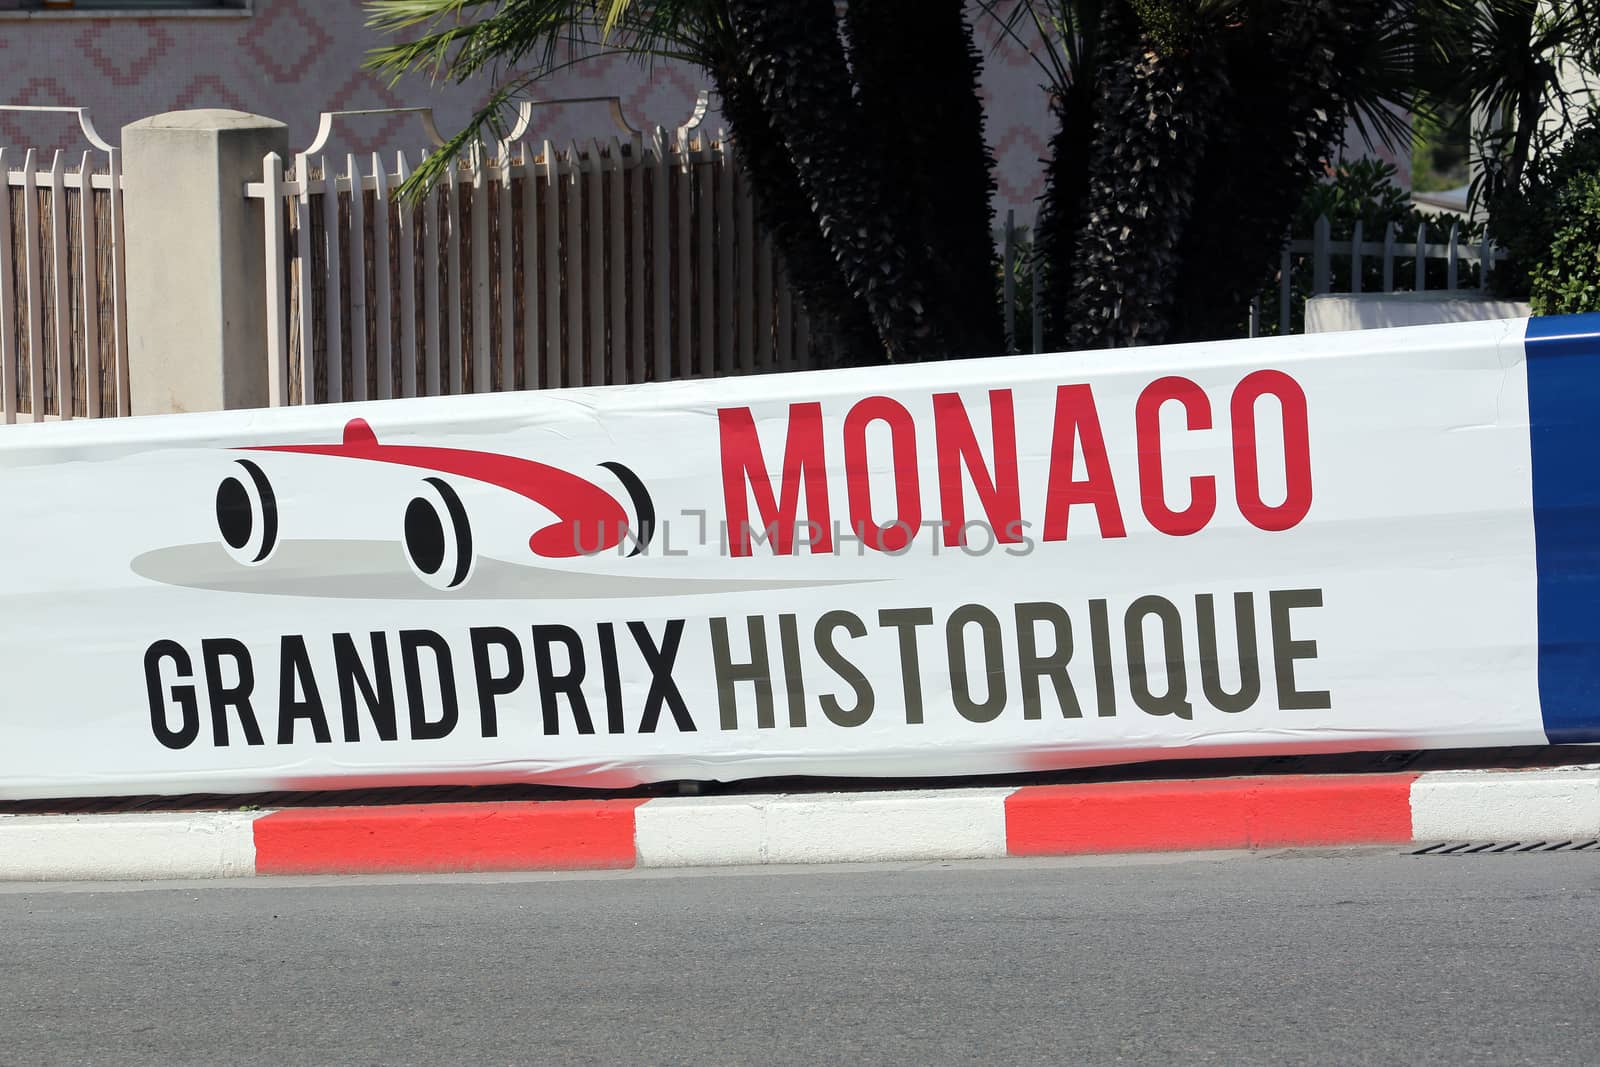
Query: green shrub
point(1361, 189)
point(1567, 280)
point(1550, 228)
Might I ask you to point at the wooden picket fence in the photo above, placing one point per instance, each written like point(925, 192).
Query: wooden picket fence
point(63, 320)
point(530, 266)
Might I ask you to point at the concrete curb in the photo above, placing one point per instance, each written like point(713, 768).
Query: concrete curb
point(1257, 812)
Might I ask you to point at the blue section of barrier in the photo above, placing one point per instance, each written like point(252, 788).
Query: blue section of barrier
point(1563, 354)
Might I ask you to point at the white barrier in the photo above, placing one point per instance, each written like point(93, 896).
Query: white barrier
point(1311, 544)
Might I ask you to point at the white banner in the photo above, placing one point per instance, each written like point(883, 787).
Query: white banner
point(1308, 544)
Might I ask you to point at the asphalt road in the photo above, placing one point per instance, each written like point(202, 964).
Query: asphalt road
point(1357, 957)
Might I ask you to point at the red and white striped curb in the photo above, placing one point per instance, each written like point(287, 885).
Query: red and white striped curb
point(1226, 813)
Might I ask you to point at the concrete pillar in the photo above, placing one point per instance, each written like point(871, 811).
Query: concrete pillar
point(197, 317)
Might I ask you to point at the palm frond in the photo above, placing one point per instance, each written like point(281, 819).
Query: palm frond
point(515, 44)
point(1382, 85)
point(1054, 43)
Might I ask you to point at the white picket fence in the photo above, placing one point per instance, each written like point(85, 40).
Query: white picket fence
point(612, 261)
point(1397, 259)
point(63, 303)
point(1389, 251)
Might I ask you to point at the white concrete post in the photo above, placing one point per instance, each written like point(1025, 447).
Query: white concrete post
point(197, 320)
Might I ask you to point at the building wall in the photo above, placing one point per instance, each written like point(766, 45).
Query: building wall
point(293, 59)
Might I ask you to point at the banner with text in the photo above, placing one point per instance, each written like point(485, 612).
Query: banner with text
point(1342, 542)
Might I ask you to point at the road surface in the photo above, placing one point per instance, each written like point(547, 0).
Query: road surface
point(1345, 957)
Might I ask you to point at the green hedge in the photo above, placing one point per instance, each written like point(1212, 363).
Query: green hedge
point(1551, 229)
point(1568, 279)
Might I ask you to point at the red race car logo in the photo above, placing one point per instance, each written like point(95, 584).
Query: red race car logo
point(437, 534)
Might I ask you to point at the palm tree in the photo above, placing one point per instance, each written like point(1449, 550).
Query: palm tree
point(1299, 70)
point(1502, 60)
point(797, 64)
point(840, 320)
point(853, 246)
point(1187, 132)
point(1063, 39)
point(916, 71)
point(544, 36)
point(1161, 85)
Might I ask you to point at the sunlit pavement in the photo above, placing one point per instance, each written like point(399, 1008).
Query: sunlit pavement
point(1372, 955)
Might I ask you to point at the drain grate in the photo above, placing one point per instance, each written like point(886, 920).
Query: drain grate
point(1493, 848)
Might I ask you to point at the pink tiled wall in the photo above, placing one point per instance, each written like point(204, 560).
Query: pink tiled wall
point(292, 59)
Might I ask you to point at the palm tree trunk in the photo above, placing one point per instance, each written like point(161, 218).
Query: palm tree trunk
point(840, 325)
point(1286, 110)
point(798, 70)
point(1530, 108)
point(916, 71)
point(1157, 104)
point(1063, 206)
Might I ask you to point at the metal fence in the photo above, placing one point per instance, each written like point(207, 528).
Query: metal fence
point(1344, 266)
point(1306, 267)
point(63, 303)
